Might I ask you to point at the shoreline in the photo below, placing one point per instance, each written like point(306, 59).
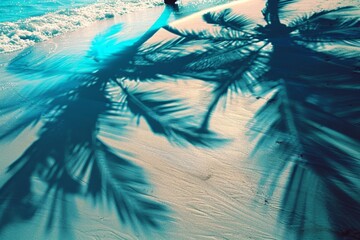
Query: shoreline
point(15, 36)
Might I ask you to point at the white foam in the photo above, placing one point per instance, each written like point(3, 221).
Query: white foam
point(23, 33)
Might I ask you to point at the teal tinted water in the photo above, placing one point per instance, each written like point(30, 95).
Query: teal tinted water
point(13, 10)
point(26, 22)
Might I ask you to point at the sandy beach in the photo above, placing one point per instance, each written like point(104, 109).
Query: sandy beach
point(199, 121)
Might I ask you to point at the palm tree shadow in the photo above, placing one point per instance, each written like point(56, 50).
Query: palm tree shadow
point(304, 122)
point(308, 121)
point(307, 71)
point(70, 159)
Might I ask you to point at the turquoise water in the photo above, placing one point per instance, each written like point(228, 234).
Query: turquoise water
point(13, 10)
point(26, 22)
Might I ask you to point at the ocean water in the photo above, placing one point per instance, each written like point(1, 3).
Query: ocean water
point(23, 23)
point(26, 22)
point(13, 10)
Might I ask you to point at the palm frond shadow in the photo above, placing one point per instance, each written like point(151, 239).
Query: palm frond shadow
point(70, 158)
point(309, 121)
point(308, 72)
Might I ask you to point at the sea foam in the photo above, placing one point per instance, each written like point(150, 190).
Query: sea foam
point(26, 32)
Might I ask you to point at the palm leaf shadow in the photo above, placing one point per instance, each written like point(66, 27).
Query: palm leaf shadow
point(71, 159)
point(308, 71)
point(308, 108)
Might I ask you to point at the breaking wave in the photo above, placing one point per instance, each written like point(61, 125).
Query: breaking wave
point(26, 32)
